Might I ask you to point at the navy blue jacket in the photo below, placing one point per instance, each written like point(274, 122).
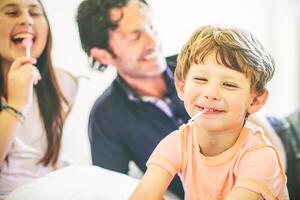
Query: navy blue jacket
point(288, 129)
point(123, 129)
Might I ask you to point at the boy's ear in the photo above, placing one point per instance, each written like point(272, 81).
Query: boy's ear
point(179, 88)
point(258, 100)
point(102, 55)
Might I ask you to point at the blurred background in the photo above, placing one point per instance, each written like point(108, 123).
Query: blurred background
point(275, 22)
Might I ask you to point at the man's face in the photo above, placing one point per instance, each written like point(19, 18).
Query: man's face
point(134, 43)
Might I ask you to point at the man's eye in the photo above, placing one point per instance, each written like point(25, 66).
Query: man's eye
point(134, 36)
point(137, 36)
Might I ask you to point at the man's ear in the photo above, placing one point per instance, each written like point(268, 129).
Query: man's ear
point(179, 84)
point(258, 100)
point(102, 55)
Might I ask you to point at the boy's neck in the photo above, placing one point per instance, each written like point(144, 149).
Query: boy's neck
point(215, 143)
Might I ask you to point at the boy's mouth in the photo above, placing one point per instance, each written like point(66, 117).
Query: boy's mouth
point(210, 110)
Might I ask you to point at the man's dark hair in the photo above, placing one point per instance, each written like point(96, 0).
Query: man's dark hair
point(94, 23)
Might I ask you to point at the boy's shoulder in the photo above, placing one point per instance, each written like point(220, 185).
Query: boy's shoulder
point(253, 138)
point(256, 150)
point(173, 137)
point(180, 138)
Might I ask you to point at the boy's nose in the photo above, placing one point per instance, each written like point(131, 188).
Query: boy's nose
point(211, 93)
point(214, 98)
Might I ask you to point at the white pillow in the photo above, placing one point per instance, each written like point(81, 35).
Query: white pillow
point(77, 183)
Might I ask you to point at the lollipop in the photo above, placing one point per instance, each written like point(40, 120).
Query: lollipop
point(27, 43)
point(197, 115)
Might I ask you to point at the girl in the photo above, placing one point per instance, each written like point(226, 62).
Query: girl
point(34, 103)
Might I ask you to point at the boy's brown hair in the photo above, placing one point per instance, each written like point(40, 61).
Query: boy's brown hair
point(235, 48)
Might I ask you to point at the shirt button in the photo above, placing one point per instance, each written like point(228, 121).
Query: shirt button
point(179, 121)
point(168, 100)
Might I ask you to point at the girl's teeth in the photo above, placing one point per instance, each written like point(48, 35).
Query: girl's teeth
point(23, 35)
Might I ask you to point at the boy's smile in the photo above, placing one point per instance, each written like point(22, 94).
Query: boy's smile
point(210, 110)
point(224, 93)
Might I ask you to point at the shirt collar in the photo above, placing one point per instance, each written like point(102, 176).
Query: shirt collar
point(134, 96)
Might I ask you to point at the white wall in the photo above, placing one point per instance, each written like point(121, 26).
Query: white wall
point(275, 22)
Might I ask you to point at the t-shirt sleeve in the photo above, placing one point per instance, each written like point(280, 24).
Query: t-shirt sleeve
point(260, 170)
point(167, 154)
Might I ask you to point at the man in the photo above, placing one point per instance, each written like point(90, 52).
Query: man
point(141, 105)
point(288, 129)
point(284, 133)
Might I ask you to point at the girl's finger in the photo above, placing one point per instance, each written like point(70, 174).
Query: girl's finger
point(21, 61)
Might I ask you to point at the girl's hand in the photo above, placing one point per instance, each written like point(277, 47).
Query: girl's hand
point(21, 78)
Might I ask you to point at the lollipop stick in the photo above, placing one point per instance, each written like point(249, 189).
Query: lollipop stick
point(27, 43)
point(197, 115)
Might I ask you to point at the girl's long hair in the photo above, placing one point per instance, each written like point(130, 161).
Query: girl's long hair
point(50, 101)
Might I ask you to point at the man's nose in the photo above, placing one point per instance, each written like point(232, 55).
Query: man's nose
point(151, 38)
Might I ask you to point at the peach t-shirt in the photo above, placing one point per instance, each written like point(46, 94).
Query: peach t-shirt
point(251, 163)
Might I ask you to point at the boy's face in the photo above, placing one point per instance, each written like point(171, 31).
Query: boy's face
point(224, 92)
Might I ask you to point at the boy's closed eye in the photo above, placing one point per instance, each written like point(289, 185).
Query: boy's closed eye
point(200, 79)
point(230, 85)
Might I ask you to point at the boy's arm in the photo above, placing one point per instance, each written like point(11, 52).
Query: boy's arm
point(242, 193)
point(153, 185)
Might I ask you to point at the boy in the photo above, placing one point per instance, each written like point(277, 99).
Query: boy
point(222, 72)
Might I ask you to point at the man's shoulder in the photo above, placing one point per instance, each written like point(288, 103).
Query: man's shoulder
point(171, 62)
point(288, 129)
point(109, 100)
point(290, 122)
point(294, 121)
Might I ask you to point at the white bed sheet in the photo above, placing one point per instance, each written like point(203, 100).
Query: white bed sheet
point(77, 183)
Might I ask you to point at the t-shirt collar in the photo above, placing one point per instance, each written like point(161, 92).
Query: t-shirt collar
point(134, 96)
